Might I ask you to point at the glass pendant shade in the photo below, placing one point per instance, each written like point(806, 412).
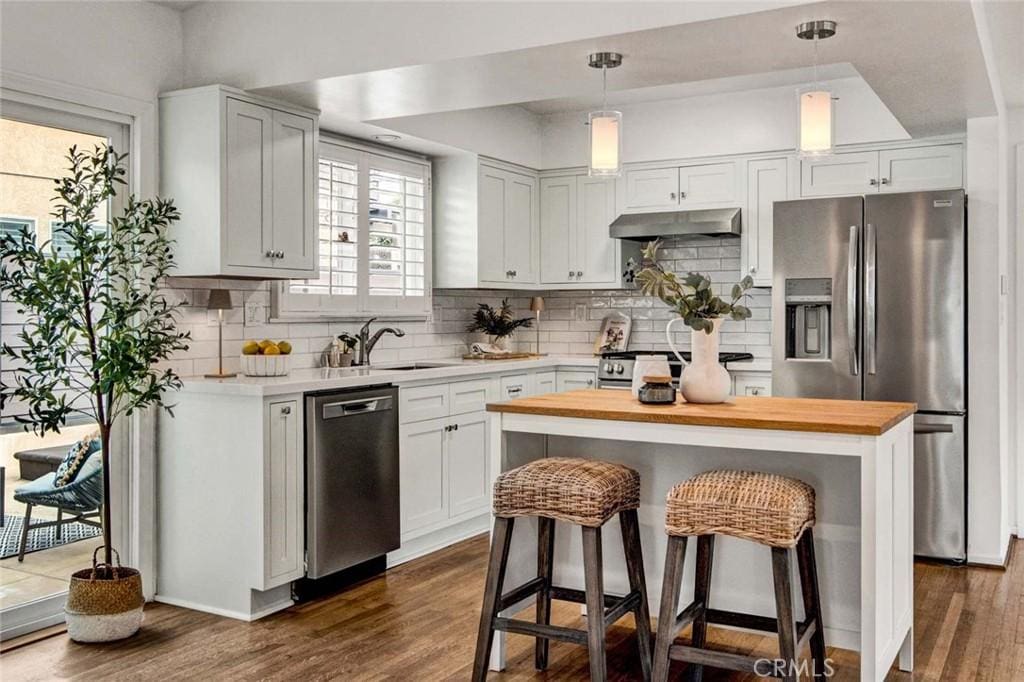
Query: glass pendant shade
point(815, 121)
point(605, 143)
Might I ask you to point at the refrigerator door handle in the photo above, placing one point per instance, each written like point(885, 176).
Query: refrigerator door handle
point(870, 299)
point(851, 301)
point(933, 428)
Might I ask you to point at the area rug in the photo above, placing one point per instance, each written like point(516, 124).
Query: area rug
point(40, 538)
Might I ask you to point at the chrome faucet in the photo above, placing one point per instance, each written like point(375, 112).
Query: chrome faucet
point(367, 342)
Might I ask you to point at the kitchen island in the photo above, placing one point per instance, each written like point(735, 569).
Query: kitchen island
point(858, 456)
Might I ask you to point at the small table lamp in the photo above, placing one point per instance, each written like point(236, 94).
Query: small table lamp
point(220, 300)
point(537, 305)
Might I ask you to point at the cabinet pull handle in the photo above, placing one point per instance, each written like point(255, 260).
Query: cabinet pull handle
point(873, 182)
point(455, 427)
point(447, 428)
point(287, 409)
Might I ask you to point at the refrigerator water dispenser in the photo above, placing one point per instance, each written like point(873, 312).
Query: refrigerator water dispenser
point(808, 318)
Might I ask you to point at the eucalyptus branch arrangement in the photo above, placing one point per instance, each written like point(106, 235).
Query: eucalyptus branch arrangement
point(499, 322)
point(96, 320)
point(691, 297)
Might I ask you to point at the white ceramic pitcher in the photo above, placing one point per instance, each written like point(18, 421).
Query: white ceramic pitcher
point(703, 380)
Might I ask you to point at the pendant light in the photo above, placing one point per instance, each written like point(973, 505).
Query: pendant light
point(815, 110)
point(605, 126)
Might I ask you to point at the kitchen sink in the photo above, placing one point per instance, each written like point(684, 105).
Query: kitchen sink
point(415, 365)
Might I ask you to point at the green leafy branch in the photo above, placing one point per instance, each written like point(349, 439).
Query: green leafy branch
point(691, 297)
point(496, 322)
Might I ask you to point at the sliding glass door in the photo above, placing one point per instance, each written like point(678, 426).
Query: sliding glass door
point(35, 562)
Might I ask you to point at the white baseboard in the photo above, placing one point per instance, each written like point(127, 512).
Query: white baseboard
point(237, 615)
point(439, 539)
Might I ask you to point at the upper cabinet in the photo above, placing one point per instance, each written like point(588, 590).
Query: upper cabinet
point(889, 170)
point(486, 224)
point(767, 182)
point(242, 172)
point(679, 187)
point(576, 211)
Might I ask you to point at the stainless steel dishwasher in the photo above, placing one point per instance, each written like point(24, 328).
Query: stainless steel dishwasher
point(352, 507)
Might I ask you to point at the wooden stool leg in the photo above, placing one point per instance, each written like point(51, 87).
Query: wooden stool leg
point(594, 579)
point(671, 585)
point(545, 568)
point(500, 541)
point(637, 583)
point(784, 611)
point(702, 594)
point(812, 600)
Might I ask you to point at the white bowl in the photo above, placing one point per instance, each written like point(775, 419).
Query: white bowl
point(266, 365)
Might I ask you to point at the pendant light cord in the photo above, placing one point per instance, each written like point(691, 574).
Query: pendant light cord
point(817, 81)
point(604, 88)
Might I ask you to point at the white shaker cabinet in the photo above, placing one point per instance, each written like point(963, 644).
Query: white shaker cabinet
point(423, 478)
point(909, 169)
point(283, 521)
point(767, 182)
point(468, 482)
point(921, 168)
point(707, 185)
point(486, 227)
point(242, 172)
point(576, 212)
point(651, 189)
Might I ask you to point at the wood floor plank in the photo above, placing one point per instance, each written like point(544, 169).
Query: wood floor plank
point(418, 621)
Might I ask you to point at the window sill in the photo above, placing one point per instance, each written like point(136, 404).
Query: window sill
point(381, 316)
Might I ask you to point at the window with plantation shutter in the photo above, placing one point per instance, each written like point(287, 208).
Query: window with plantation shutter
point(374, 245)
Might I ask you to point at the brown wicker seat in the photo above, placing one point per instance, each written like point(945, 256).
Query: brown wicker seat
point(766, 508)
point(586, 493)
point(581, 491)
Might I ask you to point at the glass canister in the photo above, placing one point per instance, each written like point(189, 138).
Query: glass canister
point(657, 390)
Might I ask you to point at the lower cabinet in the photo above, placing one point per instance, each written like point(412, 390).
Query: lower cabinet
point(444, 472)
point(574, 380)
point(283, 522)
point(752, 383)
point(545, 382)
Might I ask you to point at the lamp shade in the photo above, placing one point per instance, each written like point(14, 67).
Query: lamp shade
point(220, 299)
point(537, 304)
point(605, 143)
point(815, 121)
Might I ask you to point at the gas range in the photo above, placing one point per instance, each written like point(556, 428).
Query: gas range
point(616, 369)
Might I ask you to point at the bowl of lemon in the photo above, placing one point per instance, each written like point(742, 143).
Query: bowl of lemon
point(266, 358)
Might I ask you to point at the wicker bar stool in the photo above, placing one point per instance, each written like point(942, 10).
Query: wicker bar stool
point(768, 509)
point(586, 493)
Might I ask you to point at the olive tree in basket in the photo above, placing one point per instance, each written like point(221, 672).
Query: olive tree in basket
point(96, 325)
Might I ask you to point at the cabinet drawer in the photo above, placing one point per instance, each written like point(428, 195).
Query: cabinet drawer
point(572, 381)
point(752, 384)
point(515, 386)
point(423, 402)
point(470, 396)
point(545, 382)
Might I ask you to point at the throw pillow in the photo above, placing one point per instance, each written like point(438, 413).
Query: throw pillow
point(73, 461)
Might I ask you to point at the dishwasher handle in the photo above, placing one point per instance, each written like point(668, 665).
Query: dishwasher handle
point(348, 408)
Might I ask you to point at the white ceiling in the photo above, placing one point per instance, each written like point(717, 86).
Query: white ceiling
point(921, 58)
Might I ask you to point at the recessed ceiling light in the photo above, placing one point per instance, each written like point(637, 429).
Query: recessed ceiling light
point(387, 138)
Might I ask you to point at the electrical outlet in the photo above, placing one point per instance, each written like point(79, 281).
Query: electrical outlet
point(580, 312)
point(255, 313)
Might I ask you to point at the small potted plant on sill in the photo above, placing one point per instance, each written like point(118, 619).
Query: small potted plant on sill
point(96, 325)
point(703, 379)
point(498, 324)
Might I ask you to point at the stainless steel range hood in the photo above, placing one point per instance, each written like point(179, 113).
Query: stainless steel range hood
point(642, 227)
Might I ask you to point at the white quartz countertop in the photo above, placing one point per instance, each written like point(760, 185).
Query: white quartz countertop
point(320, 379)
point(303, 380)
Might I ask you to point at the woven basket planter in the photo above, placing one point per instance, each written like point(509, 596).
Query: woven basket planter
point(104, 602)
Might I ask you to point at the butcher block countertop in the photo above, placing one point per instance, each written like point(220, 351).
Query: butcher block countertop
point(857, 417)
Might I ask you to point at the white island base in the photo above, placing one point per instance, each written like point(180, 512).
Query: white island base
point(863, 537)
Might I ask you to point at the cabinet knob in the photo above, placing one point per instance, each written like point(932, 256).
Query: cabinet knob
point(753, 270)
point(755, 391)
point(508, 273)
point(590, 382)
point(873, 182)
point(885, 181)
point(682, 195)
point(269, 254)
point(515, 274)
point(287, 409)
point(671, 195)
point(280, 254)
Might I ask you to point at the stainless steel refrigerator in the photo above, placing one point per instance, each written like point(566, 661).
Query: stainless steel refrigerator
point(869, 302)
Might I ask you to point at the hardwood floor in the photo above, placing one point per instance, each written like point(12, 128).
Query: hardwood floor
point(419, 622)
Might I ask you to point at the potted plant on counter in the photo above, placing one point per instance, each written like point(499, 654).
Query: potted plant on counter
point(96, 325)
point(703, 380)
point(498, 324)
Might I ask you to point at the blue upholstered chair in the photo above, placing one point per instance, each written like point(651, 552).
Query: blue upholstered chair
point(82, 497)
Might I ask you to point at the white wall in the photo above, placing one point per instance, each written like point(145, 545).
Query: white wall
point(132, 49)
point(988, 471)
point(732, 123)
